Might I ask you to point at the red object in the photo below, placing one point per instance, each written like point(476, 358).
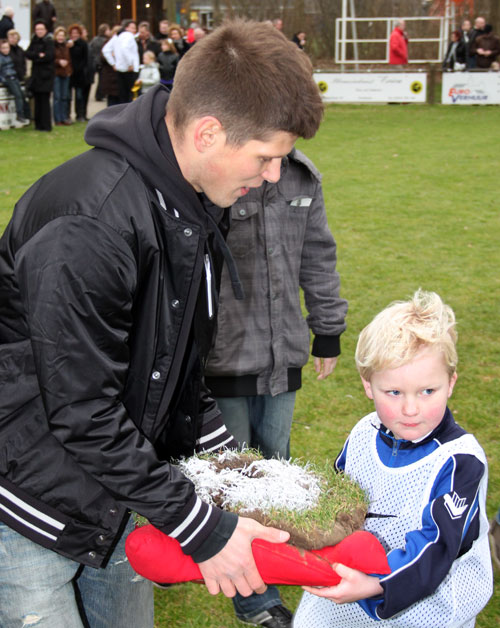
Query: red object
point(159, 558)
point(398, 48)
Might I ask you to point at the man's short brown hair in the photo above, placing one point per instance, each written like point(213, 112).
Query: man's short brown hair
point(252, 79)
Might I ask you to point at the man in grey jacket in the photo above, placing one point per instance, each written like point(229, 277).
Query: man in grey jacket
point(281, 242)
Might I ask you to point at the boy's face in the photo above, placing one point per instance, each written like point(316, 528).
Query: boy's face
point(411, 400)
point(5, 48)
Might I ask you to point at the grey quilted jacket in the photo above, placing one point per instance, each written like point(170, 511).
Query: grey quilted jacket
point(281, 241)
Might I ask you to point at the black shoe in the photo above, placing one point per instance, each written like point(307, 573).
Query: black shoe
point(274, 617)
point(159, 585)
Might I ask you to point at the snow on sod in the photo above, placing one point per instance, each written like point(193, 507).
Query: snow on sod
point(263, 485)
point(316, 505)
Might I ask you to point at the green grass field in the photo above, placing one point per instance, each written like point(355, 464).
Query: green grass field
point(412, 199)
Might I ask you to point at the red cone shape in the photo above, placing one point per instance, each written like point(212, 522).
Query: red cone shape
point(160, 558)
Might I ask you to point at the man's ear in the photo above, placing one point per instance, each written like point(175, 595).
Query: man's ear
point(368, 388)
point(208, 132)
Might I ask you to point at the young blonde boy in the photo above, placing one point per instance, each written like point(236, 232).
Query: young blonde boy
point(425, 478)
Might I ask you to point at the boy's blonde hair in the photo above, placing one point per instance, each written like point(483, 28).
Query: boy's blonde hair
point(404, 328)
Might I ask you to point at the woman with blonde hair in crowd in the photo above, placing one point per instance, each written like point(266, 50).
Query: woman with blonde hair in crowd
point(176, 34)
point(64, 70)
point(18, 56)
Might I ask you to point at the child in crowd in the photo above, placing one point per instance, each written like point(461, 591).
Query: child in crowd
point(168, 60)
point(149, 73)
point(425, 479)
point(8, 77)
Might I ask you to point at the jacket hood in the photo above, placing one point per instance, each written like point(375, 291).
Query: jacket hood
point(137, 131)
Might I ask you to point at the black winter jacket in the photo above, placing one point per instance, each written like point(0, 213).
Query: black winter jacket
point(42, 69)
point(103, 329)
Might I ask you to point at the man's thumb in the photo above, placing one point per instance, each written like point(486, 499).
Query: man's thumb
point(273, 535)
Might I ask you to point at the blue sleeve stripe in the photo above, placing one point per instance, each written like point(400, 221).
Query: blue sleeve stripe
point(473, 512)
point(341, 458)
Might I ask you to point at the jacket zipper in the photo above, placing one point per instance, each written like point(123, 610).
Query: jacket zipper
point(208, 275)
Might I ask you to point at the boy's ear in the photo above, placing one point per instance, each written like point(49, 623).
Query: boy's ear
point(368, 388)
point(451, 385)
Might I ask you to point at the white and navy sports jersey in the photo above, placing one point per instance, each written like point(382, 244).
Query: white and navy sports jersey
point(427, 507)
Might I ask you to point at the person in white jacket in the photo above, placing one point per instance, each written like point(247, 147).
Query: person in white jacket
point(122, 54)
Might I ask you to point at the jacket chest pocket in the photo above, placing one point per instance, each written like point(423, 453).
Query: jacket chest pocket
point(244, 230)
point(295, 222)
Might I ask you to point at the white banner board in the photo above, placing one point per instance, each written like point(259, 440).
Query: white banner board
point(22, 18)
point(471, 88)
point(372, 86)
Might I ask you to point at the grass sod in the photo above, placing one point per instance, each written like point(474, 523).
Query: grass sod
point(411, 195)
point(316, 505)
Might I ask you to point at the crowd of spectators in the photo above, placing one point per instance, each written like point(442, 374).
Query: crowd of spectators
point(472, 47)
point(125, 60)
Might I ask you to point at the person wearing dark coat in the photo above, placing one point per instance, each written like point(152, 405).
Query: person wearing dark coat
point(80, 78)
point(6, 23)
point(41, 82)
point(45, 11)
point(95, 48)
point(474, 33)
point(17, 54)
point(168, 60)
point(486, 47)
point(455, 57)
point(181, 45)
point(145, 41)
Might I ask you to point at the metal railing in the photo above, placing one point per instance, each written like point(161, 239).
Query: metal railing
point(341, 39)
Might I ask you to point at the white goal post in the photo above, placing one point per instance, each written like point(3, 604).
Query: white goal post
point(341, 39)
point(445, 22)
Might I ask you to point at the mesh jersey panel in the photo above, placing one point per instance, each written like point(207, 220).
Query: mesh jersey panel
point(405, 491)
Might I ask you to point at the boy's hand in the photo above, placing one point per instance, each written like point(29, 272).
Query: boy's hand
point(233, 568)
point(355, 585)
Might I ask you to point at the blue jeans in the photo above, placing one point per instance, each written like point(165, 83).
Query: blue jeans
point(41, 589)
point(62, 97)
point(12, 84)
point(262, 422)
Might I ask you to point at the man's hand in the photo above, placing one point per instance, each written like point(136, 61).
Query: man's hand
point(324, 366)
point(355, 585)
point(233, 568)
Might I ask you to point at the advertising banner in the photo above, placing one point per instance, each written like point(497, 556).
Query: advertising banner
point(372, 87)
point(471, 88)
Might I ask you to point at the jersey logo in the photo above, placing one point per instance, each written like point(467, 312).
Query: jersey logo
point(455, 505)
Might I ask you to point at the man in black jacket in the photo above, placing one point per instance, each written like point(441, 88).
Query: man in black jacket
point(109, 271)
point(6, 23)
point(45, 11)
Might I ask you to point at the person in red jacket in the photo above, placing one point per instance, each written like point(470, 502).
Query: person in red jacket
point(398, 45)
